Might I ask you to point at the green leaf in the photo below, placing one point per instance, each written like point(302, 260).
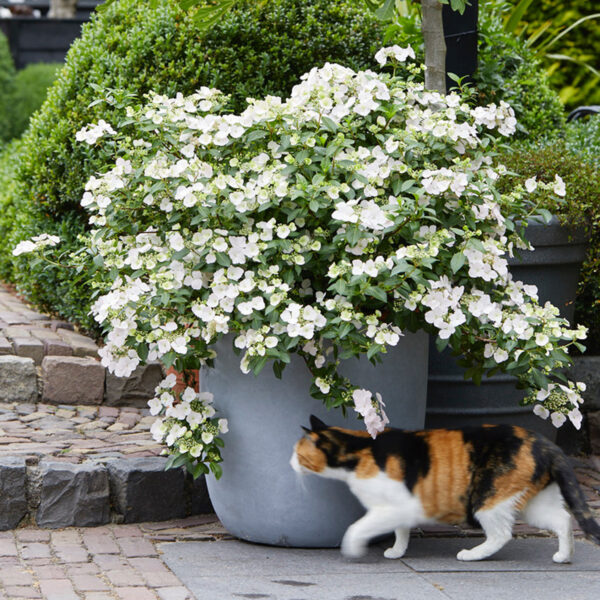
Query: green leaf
point(257, 134)
point(217, 470)
point(386, 11)
point(458, 260)
point(345, 329)
point(376, 292)
point(329, 124)
point(99, 260)
point(516, 15)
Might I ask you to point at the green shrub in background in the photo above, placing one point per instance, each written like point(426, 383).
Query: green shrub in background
point(134, 47)
point(31, 86)
point(581, 207)
point(583, 137)
point(10, 215)
point(509, 71)
point(7, 82)
point(576, 84)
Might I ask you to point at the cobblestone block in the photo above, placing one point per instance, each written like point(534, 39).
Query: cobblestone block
point(29, 347)
point(141, 490)
point(11, 318)
point(56, 347)
point(55, 324)
point(18, 379)
point(13, 503)
point(72, 380)
point(134, 390)
point(73, 495)
point(6, 347)
point(82, 345)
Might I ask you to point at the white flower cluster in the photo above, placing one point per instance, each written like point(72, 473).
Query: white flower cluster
point(186, 421)
point(321, 225)
point(36, 243)
point(92, 133)
point(572, 392)
point(396, 52)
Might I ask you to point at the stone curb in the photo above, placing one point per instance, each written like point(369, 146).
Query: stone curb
point(52, 494)
point(61, 379)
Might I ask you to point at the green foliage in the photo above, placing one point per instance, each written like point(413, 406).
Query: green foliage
point(583, 137)
point(7, 76)
point(31, 88)
point(575, 83)
point(508, 70)
point(10, 215)
point(581, 206)
point(134, 48)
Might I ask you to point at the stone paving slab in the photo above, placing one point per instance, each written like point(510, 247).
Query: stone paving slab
point(227, 569)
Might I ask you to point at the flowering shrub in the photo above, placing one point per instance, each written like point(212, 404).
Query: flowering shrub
point(323, 225)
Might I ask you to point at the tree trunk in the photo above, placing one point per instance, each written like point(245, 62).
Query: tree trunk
point(435, 45)
point(62, 9)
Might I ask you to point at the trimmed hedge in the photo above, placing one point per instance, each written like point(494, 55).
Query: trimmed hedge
point(133, 48)
point(7, 83)
point(31, 86)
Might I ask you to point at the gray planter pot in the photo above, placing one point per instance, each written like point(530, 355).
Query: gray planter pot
point(554, 268)
point(259, 497)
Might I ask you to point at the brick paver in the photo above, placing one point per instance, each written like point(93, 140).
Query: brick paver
point(112, 562)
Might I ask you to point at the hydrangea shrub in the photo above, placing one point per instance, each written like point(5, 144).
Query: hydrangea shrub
point(325, 225)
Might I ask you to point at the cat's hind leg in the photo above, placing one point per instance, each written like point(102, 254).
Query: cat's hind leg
point(377, 521)
point(400, 545)
point(497, 523)
point(547, 511)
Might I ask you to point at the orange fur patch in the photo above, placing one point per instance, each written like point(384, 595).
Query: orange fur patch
point(519, 478)
point(394, 468)
point(443, 490)
point(309, 456)
point(367, 467)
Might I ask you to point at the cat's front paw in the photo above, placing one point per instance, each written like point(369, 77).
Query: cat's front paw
point(561, 558)
point(352, 549)
point(394, 553)
point(467, 555)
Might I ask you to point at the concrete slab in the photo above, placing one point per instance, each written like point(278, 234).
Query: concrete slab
point(529, 554)
point(508, 586)
point(230, 569)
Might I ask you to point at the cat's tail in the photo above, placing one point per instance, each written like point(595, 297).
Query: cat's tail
point(564, 475)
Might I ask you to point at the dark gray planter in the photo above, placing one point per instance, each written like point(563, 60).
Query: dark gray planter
point(260, 498)
point(554, 268)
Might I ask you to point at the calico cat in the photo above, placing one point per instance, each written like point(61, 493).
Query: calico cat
point(481, 475)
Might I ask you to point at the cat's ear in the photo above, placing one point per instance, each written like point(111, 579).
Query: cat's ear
point(317, 424)
point(305, 429)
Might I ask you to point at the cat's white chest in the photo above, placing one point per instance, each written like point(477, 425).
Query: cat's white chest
point(383, 491)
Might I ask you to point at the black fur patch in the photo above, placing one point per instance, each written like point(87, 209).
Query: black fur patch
point(492, 453)
point(410, 448)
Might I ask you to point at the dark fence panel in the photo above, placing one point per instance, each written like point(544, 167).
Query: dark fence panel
point(460, 33)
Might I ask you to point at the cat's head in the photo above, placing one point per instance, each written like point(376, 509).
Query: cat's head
point(323, 449)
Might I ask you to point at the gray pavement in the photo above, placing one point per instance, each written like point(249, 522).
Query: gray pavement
point(230, 569)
